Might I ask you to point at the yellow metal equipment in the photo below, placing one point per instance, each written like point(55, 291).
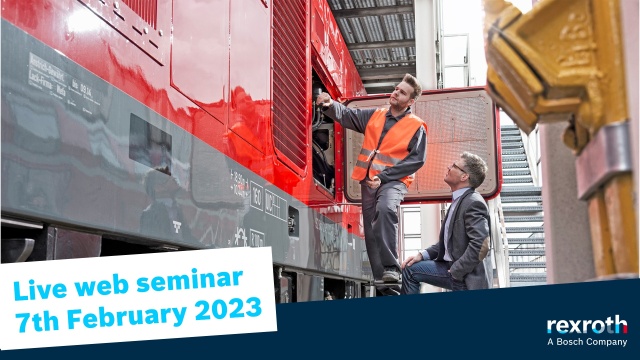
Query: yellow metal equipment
point(563, 61)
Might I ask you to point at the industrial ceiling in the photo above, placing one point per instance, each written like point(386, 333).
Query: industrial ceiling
point(380, 35)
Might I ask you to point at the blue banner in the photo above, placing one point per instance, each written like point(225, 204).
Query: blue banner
point(553, 321)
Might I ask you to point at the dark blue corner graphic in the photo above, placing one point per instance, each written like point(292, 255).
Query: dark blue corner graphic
point(492, 322)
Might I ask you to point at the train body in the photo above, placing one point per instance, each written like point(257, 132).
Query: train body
point(139, 126)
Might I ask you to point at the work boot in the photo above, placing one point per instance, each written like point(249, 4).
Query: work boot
point(391, 274)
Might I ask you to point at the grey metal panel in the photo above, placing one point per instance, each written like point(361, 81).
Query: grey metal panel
point(606, 156)
point(309, 288)
point(67, 159)
point(457, 122)
point(70, 244)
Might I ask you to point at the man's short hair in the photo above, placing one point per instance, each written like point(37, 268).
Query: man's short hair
point(415, 84)
point(475, 167)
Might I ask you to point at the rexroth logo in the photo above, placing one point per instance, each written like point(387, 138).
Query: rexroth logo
point(616, 326)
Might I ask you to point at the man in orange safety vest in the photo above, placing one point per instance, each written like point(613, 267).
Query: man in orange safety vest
point(394, 148)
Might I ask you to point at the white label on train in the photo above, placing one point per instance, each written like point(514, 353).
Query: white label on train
point(256, 196)
point(274, 205)
point(136, 297)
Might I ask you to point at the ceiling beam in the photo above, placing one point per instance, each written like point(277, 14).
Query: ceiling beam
point(366, 65)
point(376, 11)
point(381, 44)
point(382, 77)
point(386, 72)
point(391, 84)
point(380, 88)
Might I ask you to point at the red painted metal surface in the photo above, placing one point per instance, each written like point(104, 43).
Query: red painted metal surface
point(290, 88)
point(214, 80)
point(331, 58)
point(147, 9)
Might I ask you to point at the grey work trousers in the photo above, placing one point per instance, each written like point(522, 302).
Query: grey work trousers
point(380, 215)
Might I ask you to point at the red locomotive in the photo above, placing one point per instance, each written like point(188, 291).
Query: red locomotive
point(139, 126)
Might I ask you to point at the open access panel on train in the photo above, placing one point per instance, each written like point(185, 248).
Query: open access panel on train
point(458, 120)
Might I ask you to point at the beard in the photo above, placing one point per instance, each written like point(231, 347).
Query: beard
point(397, 107)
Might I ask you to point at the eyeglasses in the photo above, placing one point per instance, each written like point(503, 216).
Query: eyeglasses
point(457, 167)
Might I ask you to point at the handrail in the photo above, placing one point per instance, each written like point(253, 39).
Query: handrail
point(505, 243)
point(532, 152)
point(501, 245)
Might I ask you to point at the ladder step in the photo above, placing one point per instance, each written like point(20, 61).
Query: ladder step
point(525, 229)
point(520, 199)
point(509, 158)
point(515, 165)
point(526, 252)
point(529, 240)
point(517, 180)
point(515, 151)
point(527, 209)
point(509, 132)
point(509, 127)
point(523, 218)
point(512, 145)
point(516, 172)
point(511, 139)
point(521, 191)
point(528, 264)
point(528, 277)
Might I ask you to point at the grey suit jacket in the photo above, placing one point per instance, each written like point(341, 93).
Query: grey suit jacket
point(468, 241)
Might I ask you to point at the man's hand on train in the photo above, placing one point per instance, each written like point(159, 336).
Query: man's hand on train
point(411, 260)
point(324, 99)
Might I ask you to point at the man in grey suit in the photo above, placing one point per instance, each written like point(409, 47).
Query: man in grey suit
point(456, 264)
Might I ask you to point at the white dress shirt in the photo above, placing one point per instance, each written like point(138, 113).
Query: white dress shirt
point(447, 256)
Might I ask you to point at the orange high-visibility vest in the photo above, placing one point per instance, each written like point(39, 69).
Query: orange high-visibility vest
point(392, 149)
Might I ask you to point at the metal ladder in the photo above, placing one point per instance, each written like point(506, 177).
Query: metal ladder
point(521, 203)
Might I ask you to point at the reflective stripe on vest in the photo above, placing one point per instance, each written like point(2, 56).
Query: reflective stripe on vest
point(392, 149)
